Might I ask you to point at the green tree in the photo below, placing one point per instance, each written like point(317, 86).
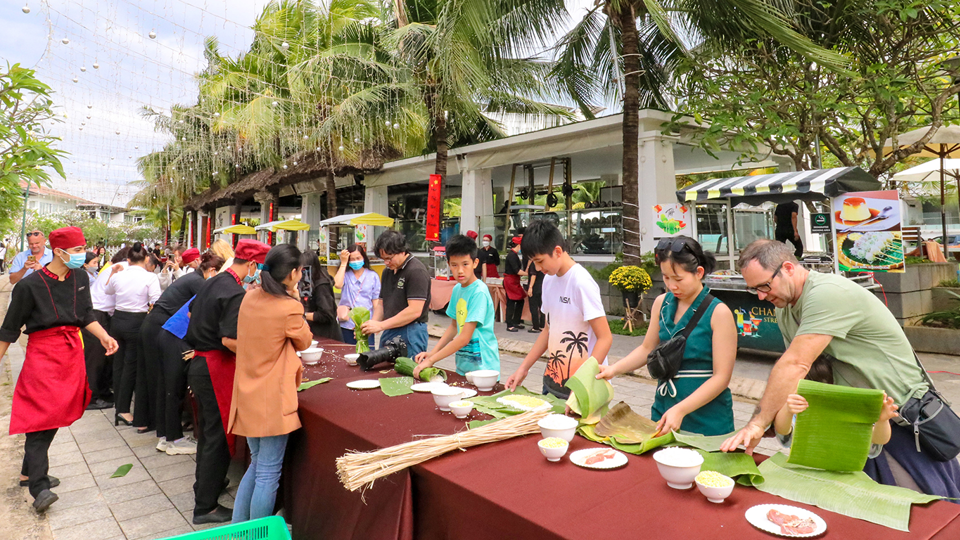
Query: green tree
point(27, 149)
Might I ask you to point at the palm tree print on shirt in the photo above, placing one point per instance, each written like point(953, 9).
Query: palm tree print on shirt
point(575, 342)
point(555, 366)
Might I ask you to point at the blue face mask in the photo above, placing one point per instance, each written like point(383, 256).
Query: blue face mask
point(250, 279)
point(356, 265)
point(77, 260)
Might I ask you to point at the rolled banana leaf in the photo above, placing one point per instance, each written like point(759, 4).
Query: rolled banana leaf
point(360, 315)
point(405, 366)
point(589, 396)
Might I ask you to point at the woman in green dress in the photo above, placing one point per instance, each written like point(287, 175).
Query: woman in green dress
point(697, 400)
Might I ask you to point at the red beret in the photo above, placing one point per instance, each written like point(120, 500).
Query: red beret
point(516, 240)
point(66, 238)
point(190, 255)
point(251, 250)
point(472, 235)
point(487, 237)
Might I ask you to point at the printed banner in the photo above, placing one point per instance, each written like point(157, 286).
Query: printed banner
point(868, 231)
point(671, 219)
point(434, 206)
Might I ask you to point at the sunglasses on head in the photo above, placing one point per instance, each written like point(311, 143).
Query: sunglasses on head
point(676, 245)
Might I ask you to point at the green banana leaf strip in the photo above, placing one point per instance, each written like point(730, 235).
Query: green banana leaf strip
point(589, 432)
point(122, 471)
point(834, 432)
point(360, 315)
point(405, 366)
point(311, 384)
point(489, 404)
point(732, 464)
point(706, 443)
point(589, 396)
point(396, 386)
point(852, 494)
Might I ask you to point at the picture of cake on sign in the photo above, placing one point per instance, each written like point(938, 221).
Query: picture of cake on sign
point(868, 231)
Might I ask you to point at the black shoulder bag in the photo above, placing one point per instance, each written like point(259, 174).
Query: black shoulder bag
point(936, 428)
point(664, 361)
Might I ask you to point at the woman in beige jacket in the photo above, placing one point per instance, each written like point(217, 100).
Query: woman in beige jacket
point(270, 331)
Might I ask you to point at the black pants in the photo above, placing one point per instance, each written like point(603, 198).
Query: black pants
point(173, 385)
point(95, 357)
point(125, 328)
point(213, 453)
point(537, 318)
point(36, 463)
point(798, 244)
point(514, 312)
point(145, 412)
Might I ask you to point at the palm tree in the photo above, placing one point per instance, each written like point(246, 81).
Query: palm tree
point(575, 343)
point(555, 363)
point(625, 50)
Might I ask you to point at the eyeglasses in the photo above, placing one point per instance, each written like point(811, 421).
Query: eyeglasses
point(765, 287)
point(34, 233)
point(676, 245)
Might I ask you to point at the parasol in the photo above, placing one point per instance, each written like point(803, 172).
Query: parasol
point(236, 229)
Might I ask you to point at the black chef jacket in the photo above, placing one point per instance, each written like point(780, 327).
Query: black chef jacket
point(41, 301)
point(213, 313)
point(178, 293)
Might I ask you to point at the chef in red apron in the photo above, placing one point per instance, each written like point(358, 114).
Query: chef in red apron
point(512, 271)
point(489, 259)
point(52, 391)
point(213, 335)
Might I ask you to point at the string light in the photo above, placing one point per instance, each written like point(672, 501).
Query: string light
point(25, 8)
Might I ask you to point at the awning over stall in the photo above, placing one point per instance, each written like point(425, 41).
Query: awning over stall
point(284, 225)
point(235, 229)
point(782, 187)
point(366, 218)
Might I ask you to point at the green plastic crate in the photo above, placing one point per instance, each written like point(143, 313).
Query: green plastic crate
point(268, 528)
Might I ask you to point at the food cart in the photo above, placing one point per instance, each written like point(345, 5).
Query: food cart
point(729, 213)
point(360, 224)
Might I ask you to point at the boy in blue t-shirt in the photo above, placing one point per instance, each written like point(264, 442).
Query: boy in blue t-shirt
point(470, 334)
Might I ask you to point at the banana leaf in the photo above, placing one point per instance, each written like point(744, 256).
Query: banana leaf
point(310, 384)
point(396, 386)
point(732, 464)
point(490, 406)
point(589, 396)
point(405, 366)
point(852, 494)
point(626, 426)
point(360, 315)
point(589, 432)
point(834, 432)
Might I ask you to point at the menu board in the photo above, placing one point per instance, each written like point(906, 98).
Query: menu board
point(868, 233)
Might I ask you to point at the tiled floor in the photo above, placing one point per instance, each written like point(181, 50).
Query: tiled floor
point(154, 500)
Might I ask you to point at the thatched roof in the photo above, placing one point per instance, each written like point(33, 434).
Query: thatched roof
point(310, 165)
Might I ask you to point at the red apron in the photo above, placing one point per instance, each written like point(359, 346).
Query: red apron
point(52, 391)
point(511, 283)
point(492, 271)
point(222, 366)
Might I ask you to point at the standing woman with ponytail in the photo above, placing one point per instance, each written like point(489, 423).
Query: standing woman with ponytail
point(270, 330)
point(135, 290)
point(697, 399)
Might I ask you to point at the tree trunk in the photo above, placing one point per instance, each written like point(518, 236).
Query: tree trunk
point(183, 227)
point(330, 186)
point(440, 135)
point(626, 19)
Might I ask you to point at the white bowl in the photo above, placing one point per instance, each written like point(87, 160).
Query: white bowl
point(313, 343)
point(558, 425)
point(678, 466)
point(311, 356)
point(461, 408)
point(484, 379)
point(716, 494)
point(553, 454)
point(443, 397)
point(351, 358)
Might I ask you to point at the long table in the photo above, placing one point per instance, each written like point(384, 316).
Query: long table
point(506, 489)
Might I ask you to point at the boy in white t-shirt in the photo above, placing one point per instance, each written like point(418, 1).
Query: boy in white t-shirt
point(576, 326)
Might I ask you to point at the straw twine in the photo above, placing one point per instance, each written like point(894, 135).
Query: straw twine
point(360, 469)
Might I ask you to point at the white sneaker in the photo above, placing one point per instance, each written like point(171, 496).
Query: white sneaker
point(163, 445)
point(184, 446)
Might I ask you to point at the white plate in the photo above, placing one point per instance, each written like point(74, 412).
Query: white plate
point(468, 393)
point(757, 516)
point(427, 386)
point(364, 384)
point(579, 457)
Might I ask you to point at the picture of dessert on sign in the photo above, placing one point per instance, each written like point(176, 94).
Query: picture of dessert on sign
point(868, 231)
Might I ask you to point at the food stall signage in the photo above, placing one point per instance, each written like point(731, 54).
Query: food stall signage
point(820, 223)
point(671, 219)
point(434, 203)
point(868, 235)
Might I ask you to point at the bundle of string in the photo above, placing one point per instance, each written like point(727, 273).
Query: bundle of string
point(360, 469)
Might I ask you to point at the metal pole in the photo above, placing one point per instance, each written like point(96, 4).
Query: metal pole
point(23, 226)
point(943, 206)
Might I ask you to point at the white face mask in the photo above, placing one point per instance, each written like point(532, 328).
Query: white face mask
point(486, 243)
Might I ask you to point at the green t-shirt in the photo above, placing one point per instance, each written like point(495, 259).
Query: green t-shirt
point(872, 350)
point(473, 303)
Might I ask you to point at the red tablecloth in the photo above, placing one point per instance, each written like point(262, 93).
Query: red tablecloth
point(506, 489)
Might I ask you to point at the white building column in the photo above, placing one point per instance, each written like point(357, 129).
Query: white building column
point(476, 199)
point(309, 213)
point(375, 199)
point(657, 182)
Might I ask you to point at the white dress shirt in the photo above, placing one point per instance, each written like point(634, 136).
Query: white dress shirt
point(135, 289)
point(101, 300)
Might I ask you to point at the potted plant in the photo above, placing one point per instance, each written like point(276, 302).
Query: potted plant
point(631, 281)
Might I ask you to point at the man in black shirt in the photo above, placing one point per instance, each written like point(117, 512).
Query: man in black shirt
point(785, 216)
point(404, 296)
point(213, 335)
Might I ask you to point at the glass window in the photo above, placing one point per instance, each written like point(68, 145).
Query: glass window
point(750, 225)
point(712, 228)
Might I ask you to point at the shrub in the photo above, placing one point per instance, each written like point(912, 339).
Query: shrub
point(631, 279)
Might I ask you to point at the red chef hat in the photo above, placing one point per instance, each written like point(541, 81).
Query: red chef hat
point(487, 237)
point(66, 238)
point(252, 250)
point(516, 240)
point(190, 255)
point(472, 235)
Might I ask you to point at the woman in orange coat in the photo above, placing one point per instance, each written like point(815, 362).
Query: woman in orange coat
point(270, 331)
